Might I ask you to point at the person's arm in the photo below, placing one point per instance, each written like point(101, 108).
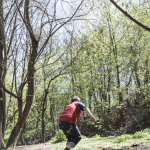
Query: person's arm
point(89, 114)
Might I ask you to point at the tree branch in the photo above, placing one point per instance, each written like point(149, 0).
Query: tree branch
point(61, 25)
point(7, 91)
point(130, 17)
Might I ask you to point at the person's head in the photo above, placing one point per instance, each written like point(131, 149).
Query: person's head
point(75, 99)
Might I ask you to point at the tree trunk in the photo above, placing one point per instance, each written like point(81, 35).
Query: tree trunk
point(21, 135)
point(2, 79)
point(138, 93)
point(30, 89)
point(33, 57)
point(29, 99)
point(108, 86)
point(115, 53)
point(13, 137)
point(1, 122)
point(2, 106)
point(146, 75)
point(43, 115)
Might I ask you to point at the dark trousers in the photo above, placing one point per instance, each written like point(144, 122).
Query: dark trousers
point(71, 132)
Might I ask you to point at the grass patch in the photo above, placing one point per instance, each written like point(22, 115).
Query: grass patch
point(97, 142)
point(138, 135)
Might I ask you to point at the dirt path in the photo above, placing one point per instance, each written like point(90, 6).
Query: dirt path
point(106, 143)
point(39, 147)
point(59, 147)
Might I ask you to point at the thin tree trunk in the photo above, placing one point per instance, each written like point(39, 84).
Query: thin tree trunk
point(43, 115)
point(1, 122)
point(108, 90)
point(146, 75)
point(115, 53)
point(1, 98)
point(2, 79)
point(21, 135)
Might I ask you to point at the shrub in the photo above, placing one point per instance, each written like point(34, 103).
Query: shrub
point(59, 137)
point(96, 136)
point(147, 130)
point(83, 137)
point(122, 138)
point(90, 123)
point(138, 135)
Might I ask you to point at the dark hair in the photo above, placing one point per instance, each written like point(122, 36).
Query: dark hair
point(75, 98)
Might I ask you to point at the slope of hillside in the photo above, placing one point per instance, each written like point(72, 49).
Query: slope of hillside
point(104, 143)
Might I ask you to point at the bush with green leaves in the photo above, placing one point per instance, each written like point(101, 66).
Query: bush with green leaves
point(147, 130)
point(141, 134)
point(122, 138)
point(96, 136)
point(59, 137)
point(89, 123)
point(83, 137)
point(137, 135)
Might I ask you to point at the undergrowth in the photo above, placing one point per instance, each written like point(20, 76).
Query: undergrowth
point(60, 137)
point(137, 135)
point(145, 134)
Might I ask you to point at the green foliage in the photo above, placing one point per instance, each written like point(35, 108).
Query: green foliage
point(147, 130)
point(123, 138)
point(83, 137)
point(140, 134)
point(137, 135)
point(113, 51)
point(90, 123)
point(96, 136)
point(105, 143)
point(98, 126)
point(59, 137)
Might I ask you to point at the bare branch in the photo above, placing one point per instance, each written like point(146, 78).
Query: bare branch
point(46, 41)
point(7, 91)
point(27, 21)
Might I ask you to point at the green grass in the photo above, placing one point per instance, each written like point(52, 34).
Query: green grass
point(97, 142)
point(103, 142)
point(108, 142)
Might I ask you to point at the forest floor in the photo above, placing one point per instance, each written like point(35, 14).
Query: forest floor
point(106, 143)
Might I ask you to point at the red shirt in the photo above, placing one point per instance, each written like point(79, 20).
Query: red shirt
point(71, 113)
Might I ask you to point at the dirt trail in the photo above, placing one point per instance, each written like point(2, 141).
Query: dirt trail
point(56, 147)
point(37, 147)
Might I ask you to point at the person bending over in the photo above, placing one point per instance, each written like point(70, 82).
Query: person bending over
point(68, 119)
